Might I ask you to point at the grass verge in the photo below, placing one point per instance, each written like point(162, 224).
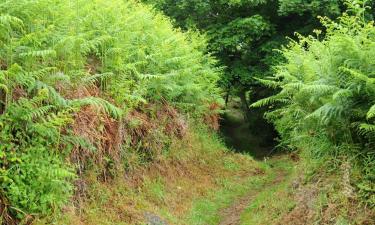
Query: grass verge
point(275, 199)
point(170, 186)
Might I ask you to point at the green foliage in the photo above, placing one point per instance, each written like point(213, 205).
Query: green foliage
point(33, 174)
point(50, 50)
point(327, 93)
point(243, 34)
point(316, 7)
point(140, 57)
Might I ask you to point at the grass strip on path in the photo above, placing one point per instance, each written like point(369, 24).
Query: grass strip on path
point(212, 210)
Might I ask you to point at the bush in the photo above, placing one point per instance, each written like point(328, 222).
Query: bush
point(132, 53)
point(51, 55)
point(327, 94)
point(33, 175)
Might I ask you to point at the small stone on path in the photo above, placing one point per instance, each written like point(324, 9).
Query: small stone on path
point(152, 219)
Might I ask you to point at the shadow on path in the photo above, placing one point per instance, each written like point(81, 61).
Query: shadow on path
point(237, 134)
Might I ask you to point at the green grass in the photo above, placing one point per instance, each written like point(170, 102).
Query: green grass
point(154, 189)
point(191, 200)
point(273, 202)
point(207, 211)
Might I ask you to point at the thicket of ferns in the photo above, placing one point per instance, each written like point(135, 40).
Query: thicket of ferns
point(326, 100)
point(50, 49)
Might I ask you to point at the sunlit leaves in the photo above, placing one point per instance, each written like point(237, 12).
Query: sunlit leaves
point(329, 83)
point(54, 55)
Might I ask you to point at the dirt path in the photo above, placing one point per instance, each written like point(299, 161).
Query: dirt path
point(232, 214)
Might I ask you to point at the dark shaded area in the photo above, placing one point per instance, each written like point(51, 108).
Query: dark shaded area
point(256, 138)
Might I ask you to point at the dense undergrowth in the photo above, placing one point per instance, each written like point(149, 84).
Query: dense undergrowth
point(325, 102)
point(82, 85)
point(100, 103)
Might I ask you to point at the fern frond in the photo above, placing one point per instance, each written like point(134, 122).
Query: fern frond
point(52, 78)
point(356, 74)
point(78, 141)
point(371, 112)
point(37, 112)
point(269, 83)
point(58, 120)
point(11, 21)
point(39, 53)
point(3, 85)
point(269, 101)
point(4, 88)
point(366, 129)
point(40, 74)
point(342, 94)
point(327, 112)
point(137, 98)
point(151, 76)
point(295, 86)
point(109, 108)
point(319, 88)
point(18, 77)
point(94, 45)
point(54, 96)
point(286, 75)
point(96, 77)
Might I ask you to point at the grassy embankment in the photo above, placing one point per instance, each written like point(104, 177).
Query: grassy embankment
point(177, 186)
point(199, 181)
point(195, 182)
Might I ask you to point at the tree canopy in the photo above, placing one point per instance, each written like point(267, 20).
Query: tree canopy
point(242, 34)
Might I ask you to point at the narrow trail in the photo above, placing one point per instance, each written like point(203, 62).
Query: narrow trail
point(240, 138)
point(232, 214)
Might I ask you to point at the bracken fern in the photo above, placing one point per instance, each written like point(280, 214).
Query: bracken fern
point(328, 93)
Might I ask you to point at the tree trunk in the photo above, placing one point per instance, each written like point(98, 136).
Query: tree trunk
point(227, 99)
point(245, 105)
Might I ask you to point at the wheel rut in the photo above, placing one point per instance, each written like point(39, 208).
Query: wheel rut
point(232, 214)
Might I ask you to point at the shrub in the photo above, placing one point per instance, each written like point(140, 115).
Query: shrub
point(51, 51)
point(33, 175)
point(326, 98)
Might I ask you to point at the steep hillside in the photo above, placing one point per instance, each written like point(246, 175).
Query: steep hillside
point(91, 86)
